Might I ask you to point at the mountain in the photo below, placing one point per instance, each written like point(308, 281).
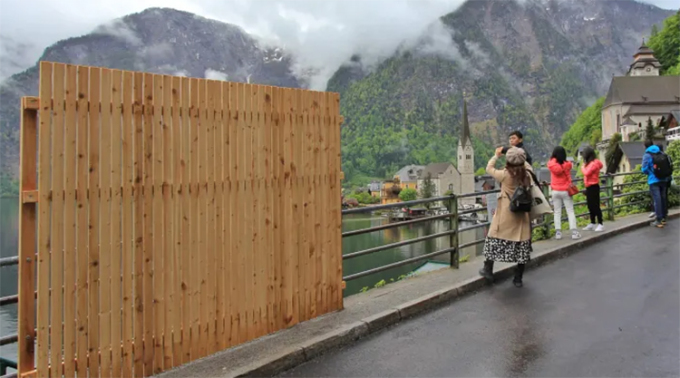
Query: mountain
point(156, 40)
point(532, 66)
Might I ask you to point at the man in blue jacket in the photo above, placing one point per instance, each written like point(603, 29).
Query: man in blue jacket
point(656, 186)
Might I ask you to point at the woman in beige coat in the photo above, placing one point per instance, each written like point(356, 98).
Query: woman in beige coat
point(509, 237)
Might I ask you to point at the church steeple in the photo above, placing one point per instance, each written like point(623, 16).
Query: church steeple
point(644, 62)
point(465, 129)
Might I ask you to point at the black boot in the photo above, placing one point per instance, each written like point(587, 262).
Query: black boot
point(487, 270)
point(519, 272)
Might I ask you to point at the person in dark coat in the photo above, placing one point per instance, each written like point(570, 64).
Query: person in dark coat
point(516, 139)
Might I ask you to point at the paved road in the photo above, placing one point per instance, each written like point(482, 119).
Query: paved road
point(612, 310)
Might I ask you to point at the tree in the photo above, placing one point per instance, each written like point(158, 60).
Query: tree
point(480, 172)
point(649, 130)
point(428, 189)
point(613, 154)
point(588, 127)
point(666, 45)
point(408, 194)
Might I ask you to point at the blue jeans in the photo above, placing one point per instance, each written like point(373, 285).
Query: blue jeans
point(660, 198)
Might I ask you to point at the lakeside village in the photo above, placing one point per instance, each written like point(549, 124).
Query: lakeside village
point(633, 102)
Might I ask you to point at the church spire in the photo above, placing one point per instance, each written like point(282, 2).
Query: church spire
point(465, 130)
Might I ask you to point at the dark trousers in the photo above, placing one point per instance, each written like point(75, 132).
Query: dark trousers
point(660, 197)
point(593, 199)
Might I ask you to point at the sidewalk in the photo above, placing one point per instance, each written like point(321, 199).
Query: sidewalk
point(379, 308)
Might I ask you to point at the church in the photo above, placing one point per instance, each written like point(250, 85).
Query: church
point(637, 97)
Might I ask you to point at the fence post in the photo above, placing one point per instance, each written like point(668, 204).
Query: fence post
point(547, 217)
point(453, 225)
point(610, 197)
point(27, 233)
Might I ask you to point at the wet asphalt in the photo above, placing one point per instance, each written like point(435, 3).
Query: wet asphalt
point(610, 310)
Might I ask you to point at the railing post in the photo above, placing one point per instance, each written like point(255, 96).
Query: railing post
point(453, 225)
point(547, 217)
point(609, 183)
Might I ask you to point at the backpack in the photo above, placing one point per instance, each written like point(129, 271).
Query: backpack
point(663, 168)
point(521, 200)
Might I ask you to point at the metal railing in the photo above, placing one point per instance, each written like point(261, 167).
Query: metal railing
point(608, 198)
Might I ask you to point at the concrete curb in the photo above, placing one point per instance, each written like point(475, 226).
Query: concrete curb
point(349, 334)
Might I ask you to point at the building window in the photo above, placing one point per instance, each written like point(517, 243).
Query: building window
point(618, 122)
point(467, 157)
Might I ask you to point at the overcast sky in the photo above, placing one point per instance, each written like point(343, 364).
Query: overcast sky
point(27, 27)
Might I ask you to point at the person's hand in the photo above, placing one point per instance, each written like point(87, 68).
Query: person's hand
point(499, 151)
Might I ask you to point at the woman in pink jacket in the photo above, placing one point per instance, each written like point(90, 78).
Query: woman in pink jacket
point(591, 178)
point(560, 181)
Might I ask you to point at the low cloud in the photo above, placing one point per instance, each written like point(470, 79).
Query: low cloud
point(119, 29)
point(215, 75)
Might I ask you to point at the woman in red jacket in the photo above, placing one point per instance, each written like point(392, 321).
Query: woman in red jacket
point(560, 181)
point(591, 178)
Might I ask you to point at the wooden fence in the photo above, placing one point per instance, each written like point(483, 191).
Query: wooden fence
point(172, 218)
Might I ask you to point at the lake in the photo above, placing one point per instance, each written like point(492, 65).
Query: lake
point(9, 226)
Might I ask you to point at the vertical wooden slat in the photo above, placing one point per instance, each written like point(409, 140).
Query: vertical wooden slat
point(244, 283)
point(235, 292)
point(312, 161)
point(335, 201)
point(210, 215)
point(57, 220)
point(272, 251)
point(300, 190)
point(148, 218)
point(248, 195)
point(70, 229)
point(281, 211)
point(116, 203)
point(202, 215)
point(127, 238)
point(259, 254)
point(317, 187)
point(94, 223)
point(291, 211)
point(226, 233)
point(196, 275)
point(105, 222)
point(219, 220)
point(168, 228)
point(176, 283)
point(44, 218)
point(82, 222)
point(140, 224)
point(325, 213)
point(158, 230)
point(185, 223)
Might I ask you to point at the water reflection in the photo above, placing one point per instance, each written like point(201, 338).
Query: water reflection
point(394, 235)
point(9, 234)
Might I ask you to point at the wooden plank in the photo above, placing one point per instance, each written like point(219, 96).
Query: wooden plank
point(276, 205)
point(44, 219)
point(176, 283)
point(250, 214)
point(168, 227)
point(105, 222)
point(116, 223)
point(269, 248)
point(235, 293)
point(82, 225)
point(202, 216)
point(57, 221)
point(27, 239)
point(291, 211)
point(128, 135)
point(30, 103)
point(196, 275)
point(258, 253)
point(325, 214)
point(210, 216)
point(300, 192)
point(158, 227)
point(139, 235)
point(93, 275)
point(185, 225)
point(281, 211)
point(219, 220)
point(70, 185)
point(337, 175)
point(244, 283)
point(148, 218)
point(313, 157)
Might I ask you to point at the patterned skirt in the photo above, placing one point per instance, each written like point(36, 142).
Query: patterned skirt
point(507, 251)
